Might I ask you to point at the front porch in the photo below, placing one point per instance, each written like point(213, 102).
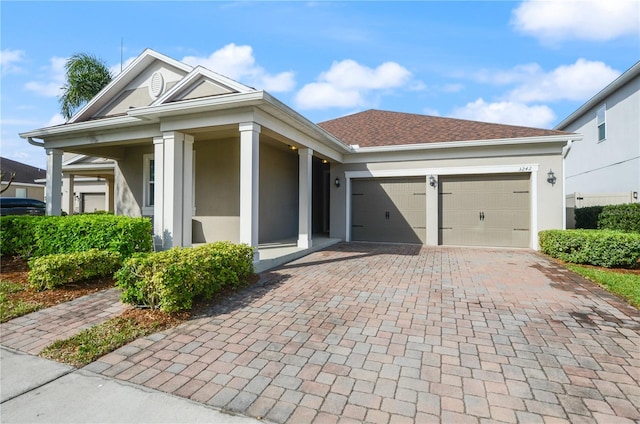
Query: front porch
point(275, 254)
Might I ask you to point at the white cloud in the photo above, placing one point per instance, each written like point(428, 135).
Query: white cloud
point(348, 84)
point(115, 69)
point(52, 86)
point(10, 59)
point(238, 63)
point(578, 81)
point(538, 116)
point(56, 119)
point(593, 20)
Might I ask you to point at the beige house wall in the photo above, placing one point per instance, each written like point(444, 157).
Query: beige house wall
point(33, 191)
point(129, 181)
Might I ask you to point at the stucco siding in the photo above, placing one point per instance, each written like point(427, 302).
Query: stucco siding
point(33, 191)
point(278, 194)
point(128, 176)
point(217, 191)
point(613, 164)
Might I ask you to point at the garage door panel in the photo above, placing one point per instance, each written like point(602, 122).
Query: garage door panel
point(392, 210)
point(485, 210)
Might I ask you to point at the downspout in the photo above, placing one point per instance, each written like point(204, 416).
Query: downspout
point(565, 152)
point(35, 143)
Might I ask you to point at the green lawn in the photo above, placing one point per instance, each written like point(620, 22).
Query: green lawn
point(626, 286)
point(11, 308)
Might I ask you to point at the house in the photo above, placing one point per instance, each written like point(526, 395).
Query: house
point(25, 182)
point(604, 168)
point(87, 184)
point(208, 158)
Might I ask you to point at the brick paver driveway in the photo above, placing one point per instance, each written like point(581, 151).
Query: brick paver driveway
point(397, 333)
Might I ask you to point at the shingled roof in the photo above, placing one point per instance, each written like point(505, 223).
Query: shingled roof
point(24, 173)
point(373, 128)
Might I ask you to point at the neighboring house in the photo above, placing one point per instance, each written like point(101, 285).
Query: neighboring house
point(604, 168)
point(208, 158)
point(90, 182)
point(25, 184)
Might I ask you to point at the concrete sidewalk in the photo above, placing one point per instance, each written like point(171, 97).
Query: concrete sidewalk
point(35, 390)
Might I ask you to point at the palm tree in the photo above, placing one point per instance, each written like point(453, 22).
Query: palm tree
point(86, 76)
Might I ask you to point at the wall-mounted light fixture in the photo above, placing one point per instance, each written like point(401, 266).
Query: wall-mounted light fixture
point(337, 182)
point(293, 147)
point(432, 181)
point(551, 177)
point(325, 161)
point(635, 195)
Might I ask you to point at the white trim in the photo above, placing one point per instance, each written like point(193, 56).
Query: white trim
point(18, 183)
point(532, 169)
point(147, 209)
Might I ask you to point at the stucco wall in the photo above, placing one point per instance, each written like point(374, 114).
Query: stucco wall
point(549, 209)
point(33, 191)
point(217, 191)
point(278, 194)
point(611, 165)
point(128, 176)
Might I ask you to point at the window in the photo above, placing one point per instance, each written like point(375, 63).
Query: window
point(149, 175)
point(602, 126)
point(21, 192)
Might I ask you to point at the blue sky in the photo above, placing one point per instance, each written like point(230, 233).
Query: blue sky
point(525, 63)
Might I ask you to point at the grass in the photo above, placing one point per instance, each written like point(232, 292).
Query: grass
point(624, 285)
point(12, 307)
point(92, 343)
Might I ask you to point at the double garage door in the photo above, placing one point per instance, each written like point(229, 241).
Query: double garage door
point(473, 210)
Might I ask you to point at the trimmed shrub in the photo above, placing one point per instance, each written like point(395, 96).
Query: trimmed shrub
point(17, 235)
point(172, 279)
point(587, 217)
point(46, 235)
point(624, 217)
point(595, 247)
point(48, 272)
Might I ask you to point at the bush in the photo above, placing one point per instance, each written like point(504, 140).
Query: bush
point(172, 279)
point(48, 272)
point(587, 217)
point(46, 235)
point(596, 247)
point(621, 217)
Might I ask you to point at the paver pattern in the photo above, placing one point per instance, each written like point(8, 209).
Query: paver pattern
point(33, 332)
point(385, 333)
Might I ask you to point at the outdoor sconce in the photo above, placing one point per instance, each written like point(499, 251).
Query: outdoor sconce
point(337, 182)
point(432, 181)
point(551, 177)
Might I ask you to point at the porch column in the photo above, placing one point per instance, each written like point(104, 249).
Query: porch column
point(304, 197)
point(250, 185)
point(53, 186)
point(173, 201)
point(71, 198)
point(110, 194)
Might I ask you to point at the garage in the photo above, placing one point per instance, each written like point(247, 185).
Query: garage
point(92, 202)
point(485, 210)
point(389, 210)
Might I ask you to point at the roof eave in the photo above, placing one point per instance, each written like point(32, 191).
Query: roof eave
point(623, 79)
point(80, 126)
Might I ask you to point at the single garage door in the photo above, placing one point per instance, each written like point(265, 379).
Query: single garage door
point(485, 210)
point(92, 202)
point(389, 210)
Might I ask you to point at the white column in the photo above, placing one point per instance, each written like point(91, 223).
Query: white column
point(109, 195)
point(304, 197)
point(172, 210)
point(249, 184)
point(54, 182)
point(72, 197)
point(158, 193)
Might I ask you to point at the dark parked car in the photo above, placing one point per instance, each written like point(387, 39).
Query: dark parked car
point(21, 206)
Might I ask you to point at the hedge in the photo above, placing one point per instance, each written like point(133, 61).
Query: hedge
point(170, 280)
point(587, 217)
point(44, 235)
point(624, 217)
point(595, 247)
point(48, 272)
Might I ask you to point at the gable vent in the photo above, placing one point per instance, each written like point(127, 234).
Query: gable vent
point(157, 84)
